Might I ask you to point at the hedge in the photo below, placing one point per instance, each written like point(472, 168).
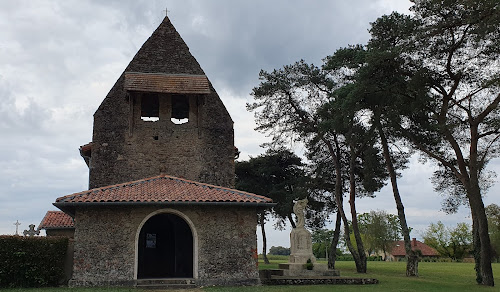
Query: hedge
point(32, 261)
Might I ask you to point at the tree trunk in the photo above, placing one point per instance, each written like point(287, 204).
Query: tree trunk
point(361, 263)
point(411, 256)
point(332, 257)
point(335, 153)
point(264, 239)
point(291, 220)
point(484, 271)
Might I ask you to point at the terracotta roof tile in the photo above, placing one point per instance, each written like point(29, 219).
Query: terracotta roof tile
point(163, 188)
point(399, 248)
point(56, 219)
point(167, 83)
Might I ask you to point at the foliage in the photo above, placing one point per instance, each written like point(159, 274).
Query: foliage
point(321, 240)
point(432, 78)
point(279, 250)
point(306, 103)
point(455, 243)
point(493, 213)
point(365, 81)
point(380, 230)
point(277, 174)
point(443, 78)
point(31, 261)
point(309, 264)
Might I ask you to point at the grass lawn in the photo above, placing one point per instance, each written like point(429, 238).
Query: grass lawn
point(433, 277)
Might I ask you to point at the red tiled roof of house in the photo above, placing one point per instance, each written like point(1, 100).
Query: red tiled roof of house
point(161, 189)
point(56, 220)
point(167, 83)
point(399, 248)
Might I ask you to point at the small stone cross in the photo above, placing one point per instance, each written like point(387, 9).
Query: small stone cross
point(17, 226)
point(31, 231)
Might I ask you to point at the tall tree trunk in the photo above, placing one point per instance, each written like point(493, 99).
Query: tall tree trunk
point(484, 271)
point(361, 265)
point(335, 154)
point(264, 239)
point(291, 220)
point(411, 256)
point(332, 256)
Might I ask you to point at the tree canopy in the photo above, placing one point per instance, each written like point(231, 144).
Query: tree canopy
point(454, 243)
point(429, 81)
point(445, 83)
point(380, 231)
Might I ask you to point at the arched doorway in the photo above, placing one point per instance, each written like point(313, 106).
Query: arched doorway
point(165, 248)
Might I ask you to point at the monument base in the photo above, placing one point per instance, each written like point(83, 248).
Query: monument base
point(318, 270)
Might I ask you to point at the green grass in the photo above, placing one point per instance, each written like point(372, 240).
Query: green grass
point(433, 277)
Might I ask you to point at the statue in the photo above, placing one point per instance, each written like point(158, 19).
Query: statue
point(302, 259)
point(298, 209)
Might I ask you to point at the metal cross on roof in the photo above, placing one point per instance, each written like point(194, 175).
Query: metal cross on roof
point(17, 226)
point(31, 231)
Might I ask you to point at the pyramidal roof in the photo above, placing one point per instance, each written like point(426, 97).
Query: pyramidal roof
point(165, 52)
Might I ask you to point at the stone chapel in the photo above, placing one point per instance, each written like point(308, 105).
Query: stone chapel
point(160, 204)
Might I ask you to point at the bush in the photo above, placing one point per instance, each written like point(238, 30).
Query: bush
point(345, 257)
point(32, 261)
point(279, 250)
point(374, 258)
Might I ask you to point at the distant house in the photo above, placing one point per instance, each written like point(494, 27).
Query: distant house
point(58, 223)
point(398, 251)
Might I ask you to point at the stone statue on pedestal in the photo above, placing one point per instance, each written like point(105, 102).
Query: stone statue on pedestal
point(300, 237)
point(301, 250)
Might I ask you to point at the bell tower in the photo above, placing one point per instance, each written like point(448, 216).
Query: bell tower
point(161, 116)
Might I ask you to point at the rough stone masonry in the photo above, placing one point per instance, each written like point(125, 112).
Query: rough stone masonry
point(161, 165)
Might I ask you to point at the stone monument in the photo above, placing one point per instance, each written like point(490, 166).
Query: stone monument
point(302, 261)
point(31, 232)
point(300, 237)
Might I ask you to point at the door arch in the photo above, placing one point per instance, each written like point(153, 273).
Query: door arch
point(165, 246)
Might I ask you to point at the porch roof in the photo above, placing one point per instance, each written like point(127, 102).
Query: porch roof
point(162, 189)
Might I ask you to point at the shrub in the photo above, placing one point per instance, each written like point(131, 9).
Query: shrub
point(345, 257)
point(309, 264)
point(374, 258)
point(279, 250)
point(31, 261)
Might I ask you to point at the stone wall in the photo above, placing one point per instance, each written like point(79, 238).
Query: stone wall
point(64, 232)
point(126, 148)
point(105, 244)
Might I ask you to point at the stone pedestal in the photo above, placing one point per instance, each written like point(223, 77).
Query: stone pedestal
point(301, 246)
point(300, 253)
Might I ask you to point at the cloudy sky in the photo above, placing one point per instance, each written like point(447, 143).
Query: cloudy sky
point(58, 60)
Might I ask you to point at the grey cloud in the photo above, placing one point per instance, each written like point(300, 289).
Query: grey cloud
point(61, 58)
